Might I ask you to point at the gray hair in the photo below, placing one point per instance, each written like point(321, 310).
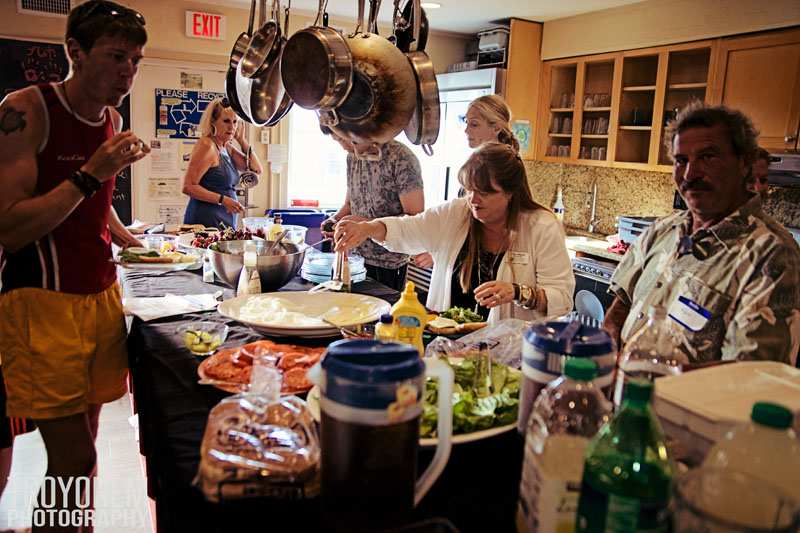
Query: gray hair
point(742, 135)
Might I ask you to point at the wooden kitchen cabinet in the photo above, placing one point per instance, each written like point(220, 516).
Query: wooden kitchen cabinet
point(760, 75)
point(577, 99)
point(611, 109)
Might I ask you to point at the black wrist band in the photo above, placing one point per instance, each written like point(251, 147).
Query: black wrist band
point(86, 183)
point(221, 198)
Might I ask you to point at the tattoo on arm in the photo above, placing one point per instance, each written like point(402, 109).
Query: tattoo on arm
point(12, 120)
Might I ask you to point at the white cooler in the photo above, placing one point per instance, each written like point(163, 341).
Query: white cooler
point(699, 407)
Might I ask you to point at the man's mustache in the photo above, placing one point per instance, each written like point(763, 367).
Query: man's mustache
point(696, 186)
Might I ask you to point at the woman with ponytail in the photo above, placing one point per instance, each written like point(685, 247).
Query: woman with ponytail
point(495, 250)
point(489, 120)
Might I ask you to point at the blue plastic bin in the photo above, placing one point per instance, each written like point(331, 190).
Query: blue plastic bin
point(303, 216)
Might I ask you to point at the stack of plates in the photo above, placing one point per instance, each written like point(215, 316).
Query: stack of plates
point(318, 267)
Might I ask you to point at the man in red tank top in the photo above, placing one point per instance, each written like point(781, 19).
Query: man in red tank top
point(62, 334)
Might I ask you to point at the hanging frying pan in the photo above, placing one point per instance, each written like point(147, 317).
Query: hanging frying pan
point(404, 33)
point(287, 102)
point(264, 46)
point(423, 128)
point(266, 91)
point(239, 47)
point(317, 66)
point(383, 96)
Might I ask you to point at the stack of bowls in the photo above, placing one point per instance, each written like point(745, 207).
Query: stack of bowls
point(318, 267)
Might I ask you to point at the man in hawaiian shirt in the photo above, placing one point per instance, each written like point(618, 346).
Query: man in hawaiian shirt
point(726, 272)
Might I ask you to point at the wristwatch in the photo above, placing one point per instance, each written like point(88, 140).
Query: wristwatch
point(221, 198)
point(523, 296)
point(86, 183)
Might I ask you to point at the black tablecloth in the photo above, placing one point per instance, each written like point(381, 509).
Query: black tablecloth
point(477, 490)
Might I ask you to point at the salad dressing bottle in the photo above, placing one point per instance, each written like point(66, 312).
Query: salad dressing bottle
point(410, 318)
point(276, 228)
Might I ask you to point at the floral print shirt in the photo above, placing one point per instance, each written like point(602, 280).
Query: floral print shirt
point(374, 189)
point(732, 291)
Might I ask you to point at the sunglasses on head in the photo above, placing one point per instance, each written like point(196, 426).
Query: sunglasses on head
point(113, 11)
point(225, 103)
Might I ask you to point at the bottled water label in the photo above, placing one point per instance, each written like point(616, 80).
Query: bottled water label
point(550, 485)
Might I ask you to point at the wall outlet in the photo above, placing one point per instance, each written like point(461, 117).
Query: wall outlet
point(264, 136)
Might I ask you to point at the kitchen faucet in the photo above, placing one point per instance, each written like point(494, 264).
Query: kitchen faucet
point(593, 220)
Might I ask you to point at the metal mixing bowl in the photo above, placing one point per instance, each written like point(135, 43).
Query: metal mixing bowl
point(275, 270)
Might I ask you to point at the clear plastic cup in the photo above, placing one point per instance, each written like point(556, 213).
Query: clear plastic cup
point(714, 500)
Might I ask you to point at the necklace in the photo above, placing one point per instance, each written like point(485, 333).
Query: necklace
point(492, 270)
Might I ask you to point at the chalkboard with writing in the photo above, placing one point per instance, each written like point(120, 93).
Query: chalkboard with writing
point(24, 63)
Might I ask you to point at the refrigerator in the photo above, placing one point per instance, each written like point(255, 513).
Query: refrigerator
point(456, 91)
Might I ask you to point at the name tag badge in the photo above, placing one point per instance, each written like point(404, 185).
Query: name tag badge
point(520, 258)
point(688, 314)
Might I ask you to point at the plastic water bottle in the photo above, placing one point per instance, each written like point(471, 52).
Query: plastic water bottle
point(627, 477)
point(766, 448)
point(566, 415)
point(650, 353)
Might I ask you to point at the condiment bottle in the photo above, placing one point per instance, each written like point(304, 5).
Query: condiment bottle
point(249, 280)
point(410, 318)
point(208, 268)
point(558, 207)
point(276, 228)
point(385, 330)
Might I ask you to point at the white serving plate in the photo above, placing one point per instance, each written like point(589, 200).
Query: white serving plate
point(163, 267)
point(313, 406)
point(312, 305)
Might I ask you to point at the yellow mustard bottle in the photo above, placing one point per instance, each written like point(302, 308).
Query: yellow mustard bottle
point(410, 318)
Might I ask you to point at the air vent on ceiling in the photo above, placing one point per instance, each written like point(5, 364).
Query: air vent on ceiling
point(45, 8)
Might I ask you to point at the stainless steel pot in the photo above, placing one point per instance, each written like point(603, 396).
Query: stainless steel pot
point(383, 96)
point(239, 48)
point(423, 128)
point(264, 46)
point(316, 65)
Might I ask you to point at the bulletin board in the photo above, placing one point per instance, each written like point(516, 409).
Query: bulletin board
point(178, 112)
point(24, 63)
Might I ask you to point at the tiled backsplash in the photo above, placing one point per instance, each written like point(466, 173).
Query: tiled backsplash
point(627, 192)
point(784, 204)
point(619, 192)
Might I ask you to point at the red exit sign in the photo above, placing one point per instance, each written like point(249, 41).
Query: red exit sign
point(202, 25)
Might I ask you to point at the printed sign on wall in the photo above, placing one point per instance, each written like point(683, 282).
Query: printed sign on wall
point(178, 112)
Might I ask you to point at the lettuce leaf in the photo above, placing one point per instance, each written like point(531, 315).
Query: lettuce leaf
point(470, 412)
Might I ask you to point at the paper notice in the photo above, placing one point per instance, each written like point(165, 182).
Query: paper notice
point(170, 214)
point(164, 158)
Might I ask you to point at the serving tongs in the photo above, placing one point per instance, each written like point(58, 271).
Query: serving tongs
point(340, 278)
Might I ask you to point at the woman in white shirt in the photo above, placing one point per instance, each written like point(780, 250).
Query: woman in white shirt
point(495, 250)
